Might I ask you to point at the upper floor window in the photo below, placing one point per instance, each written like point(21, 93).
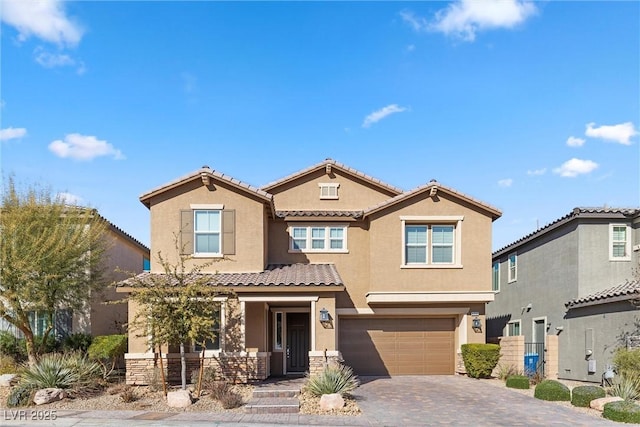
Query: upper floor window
point(328, 191)
point(495, 277)
point(619, 243)
point(431, 241)
point(207, 227)
point(513, 267)
point(318, 238)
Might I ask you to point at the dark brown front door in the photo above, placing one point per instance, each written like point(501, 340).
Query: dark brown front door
point(297, 351)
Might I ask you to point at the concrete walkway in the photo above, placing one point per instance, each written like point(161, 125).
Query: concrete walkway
point(399, 401)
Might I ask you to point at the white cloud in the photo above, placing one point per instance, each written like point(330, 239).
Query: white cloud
point(9, 133)
point(70, 199)
point(572, 141)
point(507, 182)
point(44, 19)
point(536, 172)
point(380, 114)
point(52, 60)
point(83, 147)
point(411, 48)
point(464, 18)
point(620, 133)
point(574, 167)
point(416, 22)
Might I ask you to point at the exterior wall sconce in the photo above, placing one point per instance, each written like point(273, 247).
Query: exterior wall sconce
point(476, 323)
point(325, 318)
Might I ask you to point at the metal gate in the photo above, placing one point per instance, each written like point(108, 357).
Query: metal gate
point(534, 359)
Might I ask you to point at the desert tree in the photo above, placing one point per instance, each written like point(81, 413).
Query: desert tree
point(177, 306)
point(50, 258)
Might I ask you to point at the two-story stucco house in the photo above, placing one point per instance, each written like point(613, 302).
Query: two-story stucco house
point(575, 278)
point(329, 263)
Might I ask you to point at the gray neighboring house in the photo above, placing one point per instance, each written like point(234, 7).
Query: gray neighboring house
point(576, 278)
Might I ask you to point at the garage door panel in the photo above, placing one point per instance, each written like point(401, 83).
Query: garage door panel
point(398, 346)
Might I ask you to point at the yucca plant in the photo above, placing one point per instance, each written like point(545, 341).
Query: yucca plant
point(333, 379)
point(627, 387)
point(61, 371)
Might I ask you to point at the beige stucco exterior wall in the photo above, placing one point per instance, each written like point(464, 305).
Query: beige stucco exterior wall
point(255, 327)
point(249, 228)
point(126, 256)
point(326, 336)
point(304, 193)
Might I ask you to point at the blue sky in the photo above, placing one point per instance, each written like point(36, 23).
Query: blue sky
point(532, 107)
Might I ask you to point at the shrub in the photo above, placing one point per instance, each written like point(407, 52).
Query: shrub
point(153, 378)
point(627, 360)
point(231, 400)
point(623, 411)
point(332, 379)
point(518, 381)
point(480, 359)
point(77, 342)
point(70, 370)
point(20, 395)
point(505, 371)
point(627, 386)
point(106, 350)
point(8, 364)
point(552, 390)
point(583, 395)
point(128, 395)
point(12, 346)
point(218, 389)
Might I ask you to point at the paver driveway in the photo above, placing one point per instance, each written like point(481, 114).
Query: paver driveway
point(459, 401)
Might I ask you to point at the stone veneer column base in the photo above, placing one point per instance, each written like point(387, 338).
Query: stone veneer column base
point(319, 359)
point(239, 367)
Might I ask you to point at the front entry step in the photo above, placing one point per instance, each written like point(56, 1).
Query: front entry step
point(272, 405)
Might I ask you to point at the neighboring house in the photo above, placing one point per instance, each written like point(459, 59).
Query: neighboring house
point(124, 254)
point(575, 278)
point(397, 275)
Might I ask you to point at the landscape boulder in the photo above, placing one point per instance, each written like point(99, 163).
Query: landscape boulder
point(48, 395)
point(179, 399)
point(331, 401)
point(599, 403)
point(8, 380)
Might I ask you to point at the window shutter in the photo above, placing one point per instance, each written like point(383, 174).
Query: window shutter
point(229, 232)
point(186, 232)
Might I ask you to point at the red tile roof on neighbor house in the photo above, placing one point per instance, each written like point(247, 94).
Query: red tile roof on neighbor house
point(626, 291)
point(323, 214)
point(276, 275)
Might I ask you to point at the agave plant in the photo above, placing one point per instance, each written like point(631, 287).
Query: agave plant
point(333, 379)
point(61, 371)
point(627, 387)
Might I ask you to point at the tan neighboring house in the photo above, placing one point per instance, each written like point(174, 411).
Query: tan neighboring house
point(328, 263)
point(124, 253)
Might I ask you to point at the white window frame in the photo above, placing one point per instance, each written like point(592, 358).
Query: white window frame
point(327, 238)
point(454, 221)
point(495, 279)
point(627, 243)
point(513, 322)
point(512, 277)
point(329, 191)
point(206, 208)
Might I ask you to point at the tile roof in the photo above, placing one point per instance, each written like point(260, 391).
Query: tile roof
point(207, 171)
point(339, 165)
point(276, 275)
point(311, 214)
point(496, 213)
point(626, 291)
point(578, 212)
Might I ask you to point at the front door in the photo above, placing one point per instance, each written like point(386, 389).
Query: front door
point(297, 351)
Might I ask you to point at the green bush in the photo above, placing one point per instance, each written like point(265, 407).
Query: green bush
point(106, 350)
point(623, 411)
point(583, 395)
point(332, 379)
point(77, 342)
point(8, 364)
point(518, 381)
point(552, 390)
point(20, 395)
point(56, 370)
point(627, 360)
point(12, 346)
point(480, 359)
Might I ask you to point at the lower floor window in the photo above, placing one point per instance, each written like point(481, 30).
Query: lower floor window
point(62, 323)
point(211, 344)
point(513, 328)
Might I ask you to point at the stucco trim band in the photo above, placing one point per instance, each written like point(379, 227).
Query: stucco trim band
point(424, 297)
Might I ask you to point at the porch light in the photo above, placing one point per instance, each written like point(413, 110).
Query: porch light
point(324, 316)
point(476, 323)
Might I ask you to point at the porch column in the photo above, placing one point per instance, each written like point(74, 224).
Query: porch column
point(313, 325)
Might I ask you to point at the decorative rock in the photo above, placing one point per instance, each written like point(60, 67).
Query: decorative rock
point(48, 395)
point(179, 399)
point(331, 401)
point(599, 403)
point(7, 380)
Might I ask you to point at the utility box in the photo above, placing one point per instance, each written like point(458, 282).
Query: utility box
point(592, 366)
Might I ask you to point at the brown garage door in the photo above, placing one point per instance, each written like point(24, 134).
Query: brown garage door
point(398, 346)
